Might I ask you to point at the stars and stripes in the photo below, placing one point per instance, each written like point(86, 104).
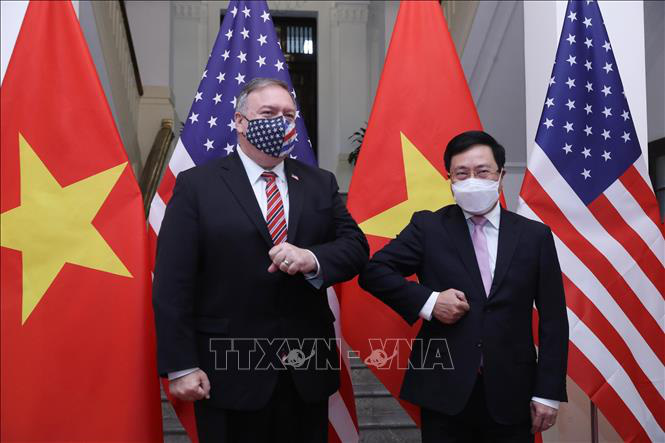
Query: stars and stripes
point(246, 47)
point(596, 118)
point(587, 180)
point(274, 136)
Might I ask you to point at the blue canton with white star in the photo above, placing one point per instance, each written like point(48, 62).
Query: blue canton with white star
point(246, 47)
point(586, 128)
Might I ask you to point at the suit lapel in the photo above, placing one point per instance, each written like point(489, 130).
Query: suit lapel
point(456, 225)
point(233, 173)
point(296, 197)
point(509, 233)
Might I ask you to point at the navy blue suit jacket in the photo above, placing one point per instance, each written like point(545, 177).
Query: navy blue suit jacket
point(211, 282)
point(437, 247)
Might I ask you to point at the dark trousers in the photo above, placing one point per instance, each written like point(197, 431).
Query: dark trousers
point(473, 425)
point(286, 418)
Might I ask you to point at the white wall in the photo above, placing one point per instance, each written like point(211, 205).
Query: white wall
point(382, 16)
point(11, 17)
point(188, 52)
point(150, 22)
point(493, 62)
point(89, 28)
point(654, 40)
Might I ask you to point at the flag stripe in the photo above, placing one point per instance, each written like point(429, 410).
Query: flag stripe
point(165, 189)
point(333, 303)
point(603, 329)
point(290, 135)
point(588, 180)
point(157, 210)
point(597, 298)
point(591, 380)
point(572, 214)
point(633, 215)
point(609, 218)
point(642, 193)
point(642, 170)
point(349, 430)
point(613, 372)
point(575, 272)
point(341, 419)
point(180, 159)
point(596, 262)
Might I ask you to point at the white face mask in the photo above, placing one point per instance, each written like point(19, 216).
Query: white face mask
point(476, 195)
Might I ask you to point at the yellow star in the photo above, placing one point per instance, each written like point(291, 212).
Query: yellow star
point(426, 189)
point(53, 226)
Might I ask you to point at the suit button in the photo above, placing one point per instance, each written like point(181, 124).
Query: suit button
point(479, 344)
point(488, 309)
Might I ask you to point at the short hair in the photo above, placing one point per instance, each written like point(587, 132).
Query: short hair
point(464, 141)
point(253, 85)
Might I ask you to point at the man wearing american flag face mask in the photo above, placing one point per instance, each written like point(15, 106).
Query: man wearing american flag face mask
point(247, 248)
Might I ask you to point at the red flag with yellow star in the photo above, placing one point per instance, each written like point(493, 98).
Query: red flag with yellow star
point(77, 342)
point(422, 102)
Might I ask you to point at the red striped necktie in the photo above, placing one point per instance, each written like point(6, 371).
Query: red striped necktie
point(275, 217)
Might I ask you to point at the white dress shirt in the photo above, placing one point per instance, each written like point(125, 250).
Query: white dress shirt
point(258, 184)
point(491, 230)
point(254, 172)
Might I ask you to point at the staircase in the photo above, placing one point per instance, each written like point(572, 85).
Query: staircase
point(173, 430)
point(380, 417)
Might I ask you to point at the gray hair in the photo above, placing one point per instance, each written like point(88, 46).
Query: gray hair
point(253, 85)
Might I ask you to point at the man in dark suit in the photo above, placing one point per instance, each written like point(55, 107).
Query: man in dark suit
point(480, 270)
point(247, 248)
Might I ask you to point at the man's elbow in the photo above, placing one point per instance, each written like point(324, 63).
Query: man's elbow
point(366, 276)
point(361, 255)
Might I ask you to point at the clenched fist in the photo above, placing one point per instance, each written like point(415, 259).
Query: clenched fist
point(450, 306)
point(291, 259)
point(191, 387)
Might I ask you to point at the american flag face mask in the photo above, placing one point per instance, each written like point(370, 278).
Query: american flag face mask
point(273, 136)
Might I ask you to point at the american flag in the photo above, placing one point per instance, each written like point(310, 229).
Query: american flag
point(587, 179)
point(246, 47)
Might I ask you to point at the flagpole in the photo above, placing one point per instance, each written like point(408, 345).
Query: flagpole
point(594, 422)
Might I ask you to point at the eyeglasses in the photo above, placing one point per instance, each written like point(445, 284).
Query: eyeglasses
point(480, 172)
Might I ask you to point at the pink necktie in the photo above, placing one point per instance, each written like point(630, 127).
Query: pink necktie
point(275, 217)
point(482, 254)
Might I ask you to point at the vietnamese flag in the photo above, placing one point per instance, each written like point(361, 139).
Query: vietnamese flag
point(422, 102)
point(77, 343)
